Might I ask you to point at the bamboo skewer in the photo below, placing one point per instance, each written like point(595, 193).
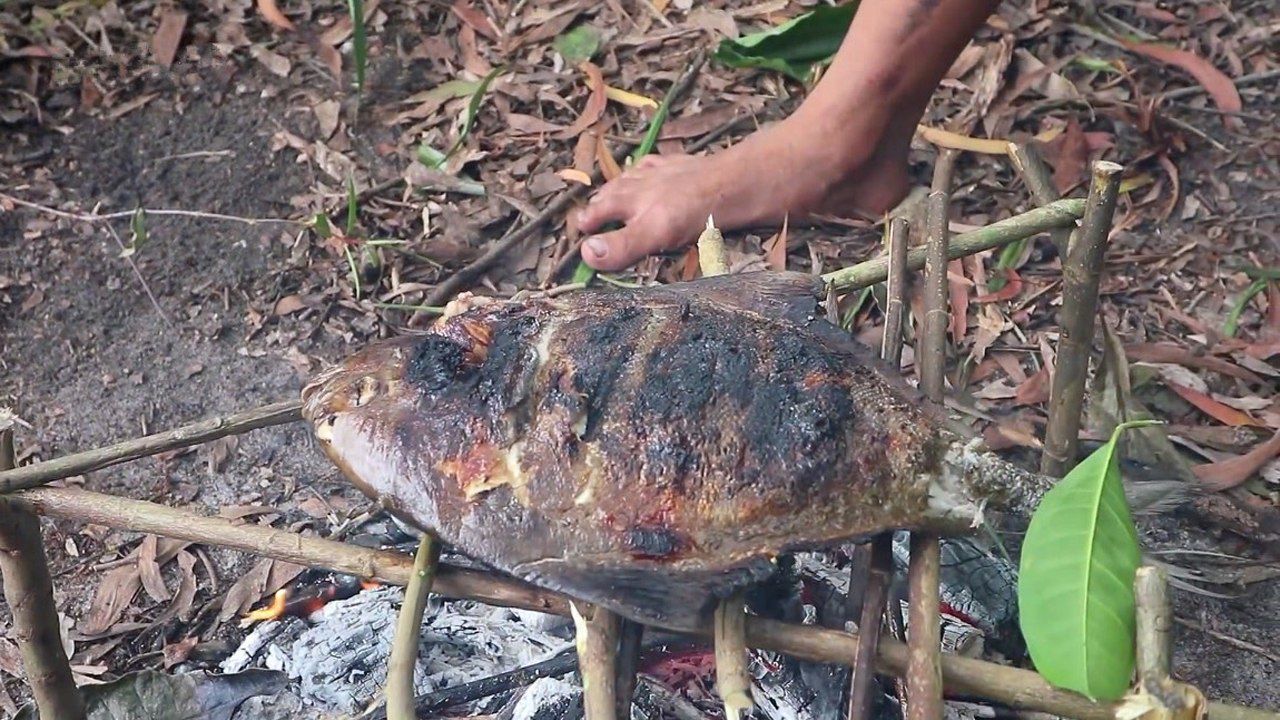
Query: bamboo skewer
point(1017, 688)
point(196, 433)
point(1035, 175)
point(733, 682)
point(597, 641)
point(28, 590)
point(1081, 275)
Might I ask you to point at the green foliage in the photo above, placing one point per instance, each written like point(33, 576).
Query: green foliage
point(1075, 587)
point(1233, 317)
point(579, 44)
point(138, 233)
point(359, 41)
point(432, 157)
point(794, 47)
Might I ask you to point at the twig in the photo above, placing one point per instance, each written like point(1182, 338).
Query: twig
point(1063, 213)
point(1081, 274)
point(1233, 641)
point(875, 596)
point(196, 433)
point(711, 256)
point(597, 641)
point(404, 646)
point(141, 280)
point(895, 306)
point(1014, 687)
point(1035, 175)
point(28, 590)
point(102, 217)
point(733, 682)
point(1242, 80)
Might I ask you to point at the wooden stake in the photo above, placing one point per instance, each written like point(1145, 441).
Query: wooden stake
point(196, 433)
point(932, 353)
point(404, 646)
point(1081, 275)
point(1157, 691)
point(597, 640)
point(874, 598)
point(895, 307)
point(1035, 175)
point(733, 682)
point(1017, 688)
point(28, 590)
point(631, 636)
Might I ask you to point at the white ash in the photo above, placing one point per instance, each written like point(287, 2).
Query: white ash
point(545, 699)
point(340, 661)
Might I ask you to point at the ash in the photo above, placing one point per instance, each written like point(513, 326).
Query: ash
point(339, 660)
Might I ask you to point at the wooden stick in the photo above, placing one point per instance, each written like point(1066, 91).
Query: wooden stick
point(733, 682)
point(631, 635)
point(874, 598)
point(711, 256)
point(1081, 274)
point(597, 641)
point(1017, 688)
point(1064, 213)
point(895, 307)
point(381, 565)
point(28, 590)
point(404, 646)
point(1168, 697)
point(1035, 175)
point(196, 433)
point(931, 358)
point(924, 629)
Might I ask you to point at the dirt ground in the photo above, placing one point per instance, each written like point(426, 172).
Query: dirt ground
point(210, 316)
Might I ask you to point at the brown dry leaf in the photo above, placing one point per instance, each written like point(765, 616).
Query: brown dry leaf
point(288, 305)
point(219, 452)
point(185, 596)
point(1035, 390)
point(775, 255)
point(1069, 156)
point(629, 99)
point(1226, 474)
point(1012, 288)
point(175, 653)
point(958, 289)
point(164, 44)
point(956, 141)
point(327, 114)
point(271, 13)
point(609, 169)
point(584, 151)
point(10, 658)
point(1170, 353)
point(328, 54)
point(276, 63)
point(1214, 81)
point(472, 61)
point(575, 175)
point(595, 104)
point(1214, 409)
point(149, 570)
point(246, 590)
point(123, 109)
point(112, 597)
point(476, 19)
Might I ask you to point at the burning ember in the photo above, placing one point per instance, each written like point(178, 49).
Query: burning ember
point(305, 601)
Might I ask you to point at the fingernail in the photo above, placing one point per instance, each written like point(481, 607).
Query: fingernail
point(598, 246)
point(595, 197)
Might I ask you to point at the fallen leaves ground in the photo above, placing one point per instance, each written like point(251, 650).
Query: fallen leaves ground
point(249, 109)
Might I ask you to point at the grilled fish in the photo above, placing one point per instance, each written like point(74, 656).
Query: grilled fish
point(649, 450)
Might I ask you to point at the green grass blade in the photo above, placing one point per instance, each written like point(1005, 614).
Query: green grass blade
point(1233, 317)
point(352, 206)
point(359, 41)
point(1075, 590)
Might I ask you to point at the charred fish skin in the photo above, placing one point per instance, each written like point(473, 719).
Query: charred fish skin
point(649, 450)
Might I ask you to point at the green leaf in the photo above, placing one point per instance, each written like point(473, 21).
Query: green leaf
point(1233, 317)
point(1075, 587)
point(138, 228)
point(430, 156)
point(579, 44)
point(584, 273)
point(360, 44)
point(473, 109)
point(352, 207)
point(320, 223)
point(794, 47)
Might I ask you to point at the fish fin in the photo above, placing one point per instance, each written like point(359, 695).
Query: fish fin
point(665, 597)
point(771, 294)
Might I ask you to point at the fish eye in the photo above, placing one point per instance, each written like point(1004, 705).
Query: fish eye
point(367, 388)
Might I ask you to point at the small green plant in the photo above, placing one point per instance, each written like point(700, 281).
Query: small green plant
point(795, 47)
point(1075, 585)
point(432, 157)
point(1233, 317)
point(137, 233)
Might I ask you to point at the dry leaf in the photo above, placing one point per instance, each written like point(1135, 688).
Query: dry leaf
point(629, 99)
point(271, 13)
point(609, 169)
point(10, 658)
point(1226, 474)
point(775, 255)
point(274, 62)
point(327, 114)
point(246, 590)
point(475, 19)
point(595, 104)
point(164, 44)
point(1212, 408)
point(149, 570)
point(288, 305)
point(112, 597)
point(175, 653)
point(1215, 82)
point(575, 175)
point(1069, 156)
point(956, 141)
point(1035, 390)
point(1170, 353)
